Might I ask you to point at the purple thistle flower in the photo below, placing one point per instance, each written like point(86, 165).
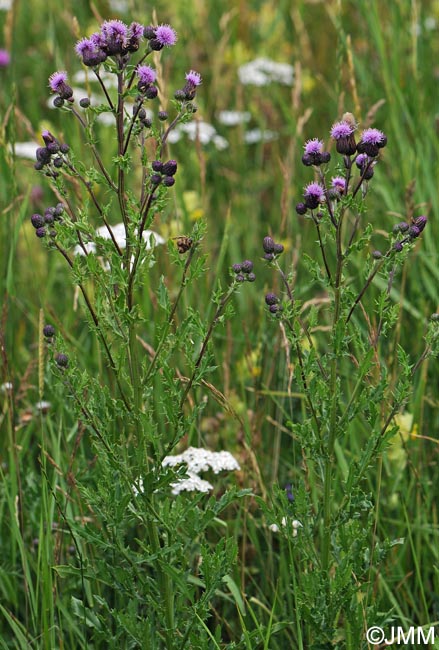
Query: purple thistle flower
point(313, 146)
point(341, 130)
point(372, 140)
point(165, 35)
point(136, 31)
point(193, 78)
point(338, 183)
point(57, 81)
point(114, 29)
point(146, 75)
point(343, 134)
point(5, 58)
point(313, 194)
point(314, 154)
point(90, 50)
point(115, 33)
point(373, 136)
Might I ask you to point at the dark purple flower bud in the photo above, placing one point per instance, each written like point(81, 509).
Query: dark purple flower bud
point(37, 221)
point(237, 268)
point(42, 155)
point(162, 115)
point(240, 278)
point(325, 157)
point(155, 44)
point(271, 299)
point(180, 95)
point(48, 137)
point(62, 360)
point(168, 181)
point(58, 162)
point(58, 102)
point(156, 179)
point(278, 249)
point(48, 331)
point(251, 277)
point(274, 309)
point(64, 148)
point(147, 123)
point(49, 217)
point(247, 266)
point(84, 102)
point(403, 226)
point(269, 257)
point(301, 208)
point(149, 32)
point(38, 166)
point(151, 92)
point(157, 165)
point(268, 245)
point(420, 222)
point(170, 168)
point(414, 232)
point(40, 232)
point(53, 147)
point(307, 160)
point(59, 209)
point(377, 255)
point(397, 246)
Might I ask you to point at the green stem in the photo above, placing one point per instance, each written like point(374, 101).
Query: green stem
point(333, 391)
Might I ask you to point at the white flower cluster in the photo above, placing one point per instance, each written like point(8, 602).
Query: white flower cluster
point(119, 235)
point(233, 118)
point(199, 130)
point(295, 524)
point(197, 460)
point(201, 460)
point(263, 71)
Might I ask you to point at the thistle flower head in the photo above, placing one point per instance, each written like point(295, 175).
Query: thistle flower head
point(115, 33)
point(57, 81)
point(313, 194)
point(136, 31)
point(341, 129)
point(193, 78)
point(372, 136)
point(314, 146)
point(91, 50)
point(338, 183)
point(114, 29)
point(165, 35)
point(146, 74)
point(371, 141)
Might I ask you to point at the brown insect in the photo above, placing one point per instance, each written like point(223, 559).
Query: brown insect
point(183, 243)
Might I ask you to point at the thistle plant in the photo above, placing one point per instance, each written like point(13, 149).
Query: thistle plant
point(144, 538)
point(337, 550)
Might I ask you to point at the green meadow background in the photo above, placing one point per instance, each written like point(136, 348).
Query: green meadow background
point(379, 61)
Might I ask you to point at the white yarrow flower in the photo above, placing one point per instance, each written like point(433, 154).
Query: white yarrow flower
point(263, 71)
point(201, 460)
point(119, 235)
point(233, 118)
